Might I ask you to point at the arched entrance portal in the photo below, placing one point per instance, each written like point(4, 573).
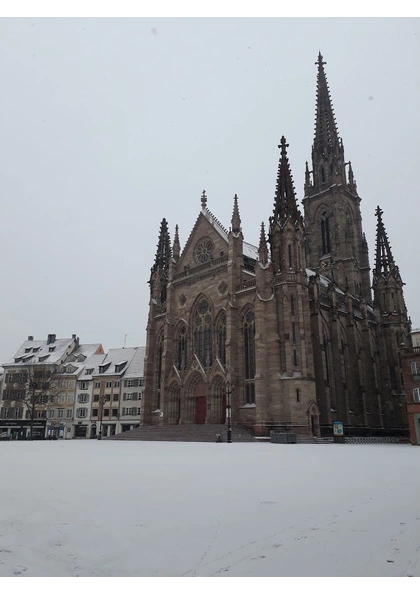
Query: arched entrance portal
point(313, 414)
point(200, 402)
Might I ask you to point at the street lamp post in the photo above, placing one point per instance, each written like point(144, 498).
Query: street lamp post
point(102, 401)
point(228, 392)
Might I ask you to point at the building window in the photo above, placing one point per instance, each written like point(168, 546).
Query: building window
point(115, 397)
point(249, 352)
point(108, 385)
point(297, 395)
point(88, 371)
point(94, 412)
point(70, 398)
point(83, 385)
point(325, 234)
point(51, 413)
point(416, 394)
point(82, 413)
point(292, 305)
point(96, 398)
point(106, 412)
point(415, 370)
point(129, 383)
point(295, 360)
point(181, 362)
point(60, 413)
point(203, 334)
point(83, 398)
point(61, 398)
point(290, 255)
point(115, 412)
point(69, 413)
point(294, 332)
point(97, 384)
point(221, 339)
point(116, 384)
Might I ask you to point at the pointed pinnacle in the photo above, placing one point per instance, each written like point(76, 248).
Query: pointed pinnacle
point(236, 219)
point(262, 249)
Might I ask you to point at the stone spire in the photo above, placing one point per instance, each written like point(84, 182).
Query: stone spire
point(164, 252)
point(327, 149)
point(176, 247)
point(262, 249)
point(236, 219)
point(384, 260)
point(285, 205)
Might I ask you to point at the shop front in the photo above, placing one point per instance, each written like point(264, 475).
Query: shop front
point(20, 429)
point(55, 430)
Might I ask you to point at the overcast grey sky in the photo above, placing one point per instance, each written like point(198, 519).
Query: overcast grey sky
point(109, 125)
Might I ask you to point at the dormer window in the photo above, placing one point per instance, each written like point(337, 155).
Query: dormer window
point(28, 350)
point(43, 358)
point(36, 349)
point(103, 368)
point(81, 358)
point(120, 366)
point(51, 349)
point(88, 371)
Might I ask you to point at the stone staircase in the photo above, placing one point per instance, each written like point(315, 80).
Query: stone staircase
point(305, 439)
point(185, 433)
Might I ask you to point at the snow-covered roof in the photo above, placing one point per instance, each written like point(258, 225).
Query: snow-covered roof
point(91, 363)
point(119, 361)
point(136, 366)
point(250, 251)
point(40, 351)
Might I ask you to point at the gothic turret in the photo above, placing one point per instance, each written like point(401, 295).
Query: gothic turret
point(394, 326)
point(286, 235)
point(160, 270)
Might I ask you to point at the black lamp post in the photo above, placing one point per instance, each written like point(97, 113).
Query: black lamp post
point(102, 400)
point(228, 392)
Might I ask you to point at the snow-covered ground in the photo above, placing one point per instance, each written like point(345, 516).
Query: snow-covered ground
point(108, 508)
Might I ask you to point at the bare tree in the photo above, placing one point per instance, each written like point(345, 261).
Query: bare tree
point(40, 390)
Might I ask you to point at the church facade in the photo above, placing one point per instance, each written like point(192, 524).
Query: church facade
point(292, 324)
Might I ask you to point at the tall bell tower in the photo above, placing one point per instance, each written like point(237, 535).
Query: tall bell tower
point(336, 246)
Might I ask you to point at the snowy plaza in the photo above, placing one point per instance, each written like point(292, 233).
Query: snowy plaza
point(107, 508)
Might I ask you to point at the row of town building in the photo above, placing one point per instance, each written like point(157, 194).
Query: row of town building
point(68, 390)
point(74, 390)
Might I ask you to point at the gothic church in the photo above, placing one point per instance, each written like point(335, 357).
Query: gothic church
point(292, 324)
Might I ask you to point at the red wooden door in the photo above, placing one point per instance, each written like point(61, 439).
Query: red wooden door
point(200, 410)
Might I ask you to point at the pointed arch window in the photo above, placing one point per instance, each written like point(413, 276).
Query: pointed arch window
point(325, 359)
point(221, 339)
point(343, 361)
point(249, 353)
point(159, 370)
point(325, 234)
point(203, 339)
point(181, 349)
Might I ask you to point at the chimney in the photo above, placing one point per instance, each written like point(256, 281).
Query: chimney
point(30, 337)
point(51, 338)
point(73, 336)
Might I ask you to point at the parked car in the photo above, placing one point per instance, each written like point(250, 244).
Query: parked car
point(5, 436)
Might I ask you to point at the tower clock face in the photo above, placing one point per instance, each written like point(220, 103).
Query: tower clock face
point(204, 250)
